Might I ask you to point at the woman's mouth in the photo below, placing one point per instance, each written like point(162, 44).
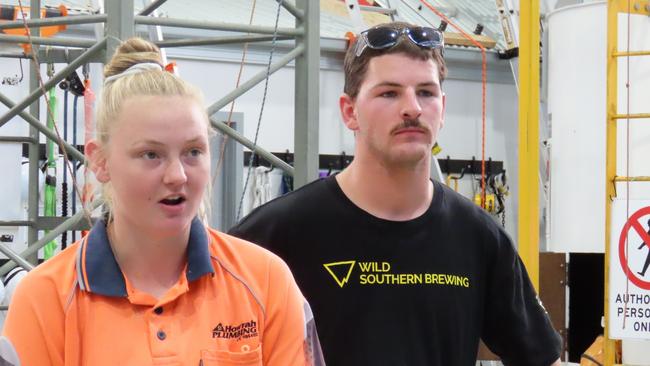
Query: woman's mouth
point(173, 200)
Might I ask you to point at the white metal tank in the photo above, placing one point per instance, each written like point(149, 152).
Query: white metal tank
point(576, 101)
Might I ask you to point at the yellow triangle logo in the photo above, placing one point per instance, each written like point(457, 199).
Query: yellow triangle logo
point(344, 280)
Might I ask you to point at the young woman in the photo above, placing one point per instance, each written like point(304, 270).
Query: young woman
point(150, 284)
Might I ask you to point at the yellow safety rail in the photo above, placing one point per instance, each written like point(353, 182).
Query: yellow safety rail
point(614, 7)
point(528, 222)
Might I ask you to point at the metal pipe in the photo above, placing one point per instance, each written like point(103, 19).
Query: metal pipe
point(18, 139)
point(49, 41)
point(16, 223)
point(215, 107)
point(15, 257)
point(217, 40)
point(76, 154)
point(299, 14)
point(45, 22)
point(249, 144)
point(376, 9)
point(632, 179)
point(33, 149)
point(305, 134)
point(67, 225)
point(151, 7)
point(52, 82)
point(198, 24)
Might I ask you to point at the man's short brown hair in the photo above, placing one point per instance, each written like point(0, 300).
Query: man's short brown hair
point(355, 68)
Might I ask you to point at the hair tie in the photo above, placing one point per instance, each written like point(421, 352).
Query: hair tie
point(135, 69)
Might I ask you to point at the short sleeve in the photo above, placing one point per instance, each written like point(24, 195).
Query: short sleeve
point(516, 326)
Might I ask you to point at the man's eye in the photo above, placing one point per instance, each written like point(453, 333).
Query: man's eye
point(425, 93)
point(388, 94)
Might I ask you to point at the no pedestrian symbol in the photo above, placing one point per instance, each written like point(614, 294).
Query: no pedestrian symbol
point(640, 223)
point(629, 274)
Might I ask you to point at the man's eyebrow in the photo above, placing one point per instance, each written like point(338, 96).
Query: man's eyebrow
point(395, 84)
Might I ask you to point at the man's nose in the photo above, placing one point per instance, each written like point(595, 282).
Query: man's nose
point(411, 108)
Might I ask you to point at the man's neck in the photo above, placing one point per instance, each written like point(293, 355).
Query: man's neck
point(391, 193)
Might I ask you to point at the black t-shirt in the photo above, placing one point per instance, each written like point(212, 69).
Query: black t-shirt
point(417, 292)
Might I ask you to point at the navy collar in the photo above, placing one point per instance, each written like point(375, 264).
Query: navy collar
point(98, 271)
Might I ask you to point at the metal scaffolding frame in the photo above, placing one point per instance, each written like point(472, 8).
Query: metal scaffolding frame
point(119, 24)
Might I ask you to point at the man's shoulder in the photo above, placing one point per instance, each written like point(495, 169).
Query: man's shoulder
point(303, 199)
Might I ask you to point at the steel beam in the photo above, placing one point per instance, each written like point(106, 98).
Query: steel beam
point(249, 144)
point(15, 257)
point(306, 95)
point(201, 24)
point(215, 107)
point(35, 123)
point(119, 25)
point(49, 41)
point(16, 223)
point(298, 13)
point(35, 94)
point(46, 22)
point(21, 139)
point(33, 148)
point(151, 7)
point(217, 40)
point(66, 226)
point(528, 219)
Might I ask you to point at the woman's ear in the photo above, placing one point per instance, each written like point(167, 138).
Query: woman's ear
point(97, 158)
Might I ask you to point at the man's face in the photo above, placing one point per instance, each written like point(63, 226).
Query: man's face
point(398, 111)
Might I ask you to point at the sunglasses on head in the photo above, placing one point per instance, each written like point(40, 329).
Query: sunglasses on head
point(382, 38)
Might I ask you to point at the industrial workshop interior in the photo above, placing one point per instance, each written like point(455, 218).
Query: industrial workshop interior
point(545, 139)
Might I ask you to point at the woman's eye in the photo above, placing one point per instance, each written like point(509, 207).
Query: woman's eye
point(425, 93)
point(388, 94)
point(150, 155)
point(195, 152)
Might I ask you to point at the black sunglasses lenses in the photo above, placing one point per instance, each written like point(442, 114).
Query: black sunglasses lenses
point(425, 37)
point(382, 37)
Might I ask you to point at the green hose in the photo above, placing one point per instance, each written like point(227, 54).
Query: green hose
point(50, 175)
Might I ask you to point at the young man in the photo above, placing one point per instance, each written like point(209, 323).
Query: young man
point(399, 269)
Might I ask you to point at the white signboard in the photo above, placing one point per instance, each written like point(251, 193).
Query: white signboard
point(629, 270)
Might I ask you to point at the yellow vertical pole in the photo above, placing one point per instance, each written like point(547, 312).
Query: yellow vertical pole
point(528, 222)
point(610, 165)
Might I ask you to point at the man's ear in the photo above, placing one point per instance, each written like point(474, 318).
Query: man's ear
point(97, 158)
point(442, 114)
point(348, 112)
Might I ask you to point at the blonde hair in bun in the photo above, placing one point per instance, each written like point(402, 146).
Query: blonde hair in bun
point(145, 82)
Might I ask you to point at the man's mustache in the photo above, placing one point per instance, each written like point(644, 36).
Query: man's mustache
point(410, 123)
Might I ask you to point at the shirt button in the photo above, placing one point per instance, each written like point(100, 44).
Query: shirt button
point(158, 310)
point(161, 335)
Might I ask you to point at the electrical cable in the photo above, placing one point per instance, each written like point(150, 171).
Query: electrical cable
point(484, 92)
point(224, 140)
point(75, 166)
point(627, 159)
point(64, 185)
point(259, 120)
point(36, 63)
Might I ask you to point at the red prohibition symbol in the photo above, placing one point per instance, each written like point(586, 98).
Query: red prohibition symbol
point(633, 222)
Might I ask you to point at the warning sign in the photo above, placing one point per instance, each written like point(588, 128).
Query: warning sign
point(629, 272)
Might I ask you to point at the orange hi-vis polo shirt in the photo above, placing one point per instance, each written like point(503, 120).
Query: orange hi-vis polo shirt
point(235, 304)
